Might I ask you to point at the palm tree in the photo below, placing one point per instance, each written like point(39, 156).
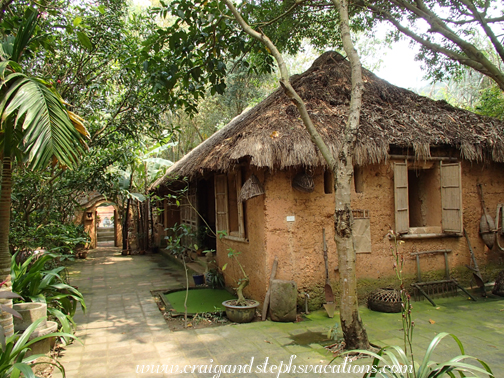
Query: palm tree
point(35, 129)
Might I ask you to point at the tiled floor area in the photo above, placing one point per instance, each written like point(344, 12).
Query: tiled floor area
point(123, 327)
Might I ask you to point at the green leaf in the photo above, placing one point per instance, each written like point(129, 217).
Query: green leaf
point(40, 114)
point(77, 20)
point(84, 40)
point(23, 368)
point(65, 323)
point(137, 196)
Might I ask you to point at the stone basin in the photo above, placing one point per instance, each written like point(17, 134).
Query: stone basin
point(30, 312)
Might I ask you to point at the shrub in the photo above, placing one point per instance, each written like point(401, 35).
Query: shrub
point(33, 282)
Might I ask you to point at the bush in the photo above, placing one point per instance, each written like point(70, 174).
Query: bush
point(33, 282)
point(53, 237)
point(13, 360)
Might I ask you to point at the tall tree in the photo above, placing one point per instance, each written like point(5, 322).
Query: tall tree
point(96, 64)
point(35, 127)
point(342, 167)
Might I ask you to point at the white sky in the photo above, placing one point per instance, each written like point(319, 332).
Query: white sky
point(400, 68)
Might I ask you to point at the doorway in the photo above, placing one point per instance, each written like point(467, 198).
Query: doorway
point(105, 230)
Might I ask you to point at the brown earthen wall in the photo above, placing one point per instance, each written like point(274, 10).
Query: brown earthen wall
point(298, 244)
point(378, 197)
point(91, 224)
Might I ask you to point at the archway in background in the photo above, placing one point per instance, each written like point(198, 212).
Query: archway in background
point(96, 209)
point(105, 225)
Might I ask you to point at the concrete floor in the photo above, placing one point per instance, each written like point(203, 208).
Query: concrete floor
point(123, 328)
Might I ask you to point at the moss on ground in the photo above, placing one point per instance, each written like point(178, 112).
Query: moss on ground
point(199, 300)
point(365, 286)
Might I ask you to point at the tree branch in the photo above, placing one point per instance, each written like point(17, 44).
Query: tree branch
point(279, 17)
point(489, 32)
point(474, 58)
point(285, 83)
point(464, 22)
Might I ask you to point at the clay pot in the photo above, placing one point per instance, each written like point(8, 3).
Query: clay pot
point(43, 346)
point(240, 314)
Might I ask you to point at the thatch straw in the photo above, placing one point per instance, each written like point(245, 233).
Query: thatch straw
point(272, 134)
point(252, 188)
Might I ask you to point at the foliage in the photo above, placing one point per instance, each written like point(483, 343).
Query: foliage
point(95, 60)
point(213, 274)
point(243, 281)
point(6, 308)
point(491, 103)
point(34, 282)
point(398, 365)
point(44, 204)
point(449, 33)
point(54, 237)
point(35, 120)
point(243, 89)
point(36, 128)
point(179, 236)
point(332, 333)
point(177, 239)
point(13, 360)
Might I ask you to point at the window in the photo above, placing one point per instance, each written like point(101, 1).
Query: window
point(229, 212)
point(428, 198)
point(328, 181)
point(189, 217)
point(358, 179)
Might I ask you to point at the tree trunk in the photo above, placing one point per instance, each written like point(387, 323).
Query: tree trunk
point(351, 323)
point(152, 224)
point(148, 224)
point(138, 223)
point(5, 257)
point(125, 229)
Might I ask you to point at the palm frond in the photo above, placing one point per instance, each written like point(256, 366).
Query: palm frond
point(48, 130)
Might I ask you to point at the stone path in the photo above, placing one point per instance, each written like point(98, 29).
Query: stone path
point(123, 328)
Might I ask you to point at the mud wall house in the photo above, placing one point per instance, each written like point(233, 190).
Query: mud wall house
point(418, 163)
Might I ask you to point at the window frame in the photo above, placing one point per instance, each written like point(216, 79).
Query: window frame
point(450, 173)
point(222, 213)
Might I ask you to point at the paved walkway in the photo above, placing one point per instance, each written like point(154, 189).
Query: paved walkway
point(123, 327)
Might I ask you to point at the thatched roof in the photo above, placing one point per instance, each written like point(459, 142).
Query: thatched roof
point(272, 134)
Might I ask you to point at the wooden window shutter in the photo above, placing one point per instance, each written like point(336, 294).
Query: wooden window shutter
point(241, 225)
point(165, 213)
point(221, 203)
point(401, 197)
point(451, 198)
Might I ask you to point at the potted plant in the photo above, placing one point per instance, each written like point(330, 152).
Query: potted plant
point(213, 274)
point(240, 310)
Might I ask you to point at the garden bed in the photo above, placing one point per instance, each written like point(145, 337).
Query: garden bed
point(204, 307)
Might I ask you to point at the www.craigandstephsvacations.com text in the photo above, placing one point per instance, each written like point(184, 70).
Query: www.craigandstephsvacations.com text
point(267, 367)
